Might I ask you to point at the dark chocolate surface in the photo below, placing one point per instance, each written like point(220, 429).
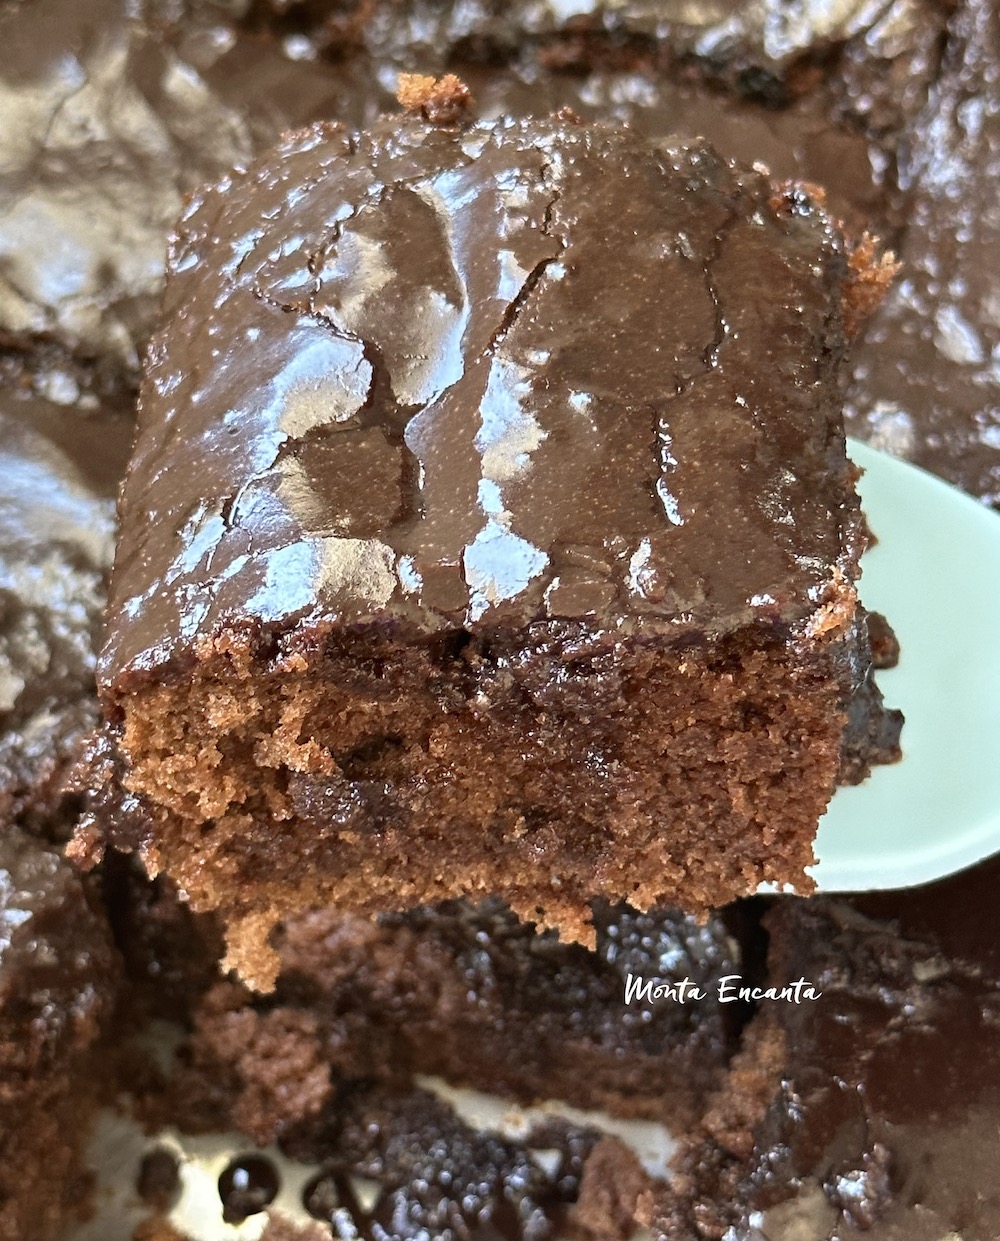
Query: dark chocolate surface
point(424, 455)
point(925, 389)
point(310, 63)
point(925, 376)
point(63, 445)
point(888, 1121)
point(469, 993)
point(58, 981)
point(871, 1103)
point(871, 107)
point(758, 48)
point(56, 961)
point(571, 992)
point(104, 130)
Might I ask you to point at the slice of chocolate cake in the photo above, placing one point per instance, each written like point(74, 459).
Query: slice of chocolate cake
point(471, 995)
point(463, 551)
point(57, 984)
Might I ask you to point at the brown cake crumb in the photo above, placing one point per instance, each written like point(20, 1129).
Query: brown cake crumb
point(871, 276)
point(612, 1184)
point(400, 664)
point(280, 1228)
point(793, 197)
point(156, 1228)
point(471, 995)
point(737, 1110)
point(442, 101)
point(883, 641)
point(279, 1058)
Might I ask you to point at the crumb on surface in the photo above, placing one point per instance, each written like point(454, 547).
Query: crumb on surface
point(792, 196)
point(613, 1183)
point(281, 1228)
point(738, 1108)
point(870, 276)
point(839, 605)
point(442, 101)
point(86, 846)
point(870, 273)
point(883, 641)
point(249, 952)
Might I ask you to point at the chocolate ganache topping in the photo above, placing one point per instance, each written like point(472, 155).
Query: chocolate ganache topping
point(513, 370)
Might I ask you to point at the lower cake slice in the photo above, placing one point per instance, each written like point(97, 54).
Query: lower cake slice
point(354, 1064)
point(466, 993)
point(490, 530)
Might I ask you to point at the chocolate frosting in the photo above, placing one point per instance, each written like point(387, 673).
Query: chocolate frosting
point(104, 130)
point(511, 371)
point(51, 995)
point(887, 1119)
point(62, 448)
point(926, 374)
point(752, 44)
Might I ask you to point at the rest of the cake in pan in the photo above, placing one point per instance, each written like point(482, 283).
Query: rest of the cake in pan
point(58, 978)
point(873, 1107)
point(490, 530)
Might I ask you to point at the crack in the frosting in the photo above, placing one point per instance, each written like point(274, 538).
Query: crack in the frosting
point(516, 305)
point(710, 356)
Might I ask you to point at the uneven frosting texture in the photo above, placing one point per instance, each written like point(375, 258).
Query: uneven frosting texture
point(62, 447)
point(104, 131)
point(519, 371)
point(50, 997)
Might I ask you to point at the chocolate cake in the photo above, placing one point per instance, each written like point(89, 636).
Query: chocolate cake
point(104, 130)
point(357, 603)
point(925, 381)
point(864, 99)
point(471, 995)
point(57, 987)
point(873, 1108)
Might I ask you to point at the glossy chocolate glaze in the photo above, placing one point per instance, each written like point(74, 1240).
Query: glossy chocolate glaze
point(800, 142)
point(878, 1109)
point(888, 1120)
point(564, 988)
point(271, 74)
point(939, 413)
point(55, 959)
point(57, 976)
point(853, 82)
point(311, 447)
point(104, 130)
point(757, 48)
point(925, 378)
point(63, 445)
point(57, 989)
point(817, 92)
